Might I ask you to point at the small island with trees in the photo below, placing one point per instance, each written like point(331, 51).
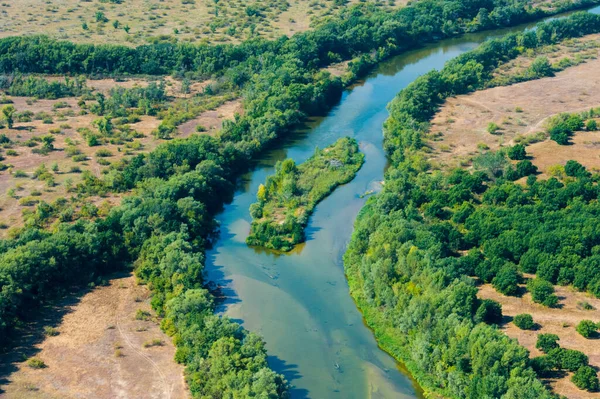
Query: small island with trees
point(287, 199)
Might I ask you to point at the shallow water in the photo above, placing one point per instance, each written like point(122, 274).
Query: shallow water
point(299, 302)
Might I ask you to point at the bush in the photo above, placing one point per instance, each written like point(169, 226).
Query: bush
point(103, 153)
point(492, 128)
point(517, 152)
point(50, 331)
point(591, 125)
point(547, 342)
point(489, 312)
point(567, 359)
point(586, 378)
point(507, 280)
point(36, 363)
point(587, 328)
point(524, 321)
point(542, 292)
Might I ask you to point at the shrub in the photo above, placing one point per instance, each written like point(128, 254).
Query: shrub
point(36, 363)
point(591, 125)
point(154, 342)
point(587, 328)
point(542, 292)
point(585, 305)
point(586, 378)
point(524, 321)
point(567, 359)
point(50, 331)
point(547, 342)
point(489, 312)
point(102, 153)
point(492, 128)
point(517, 152)
point(507, 280)
point(142, 315)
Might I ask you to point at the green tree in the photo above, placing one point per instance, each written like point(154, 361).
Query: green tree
point(586, 378)
point(547, 342)
point(524, 321)
point(8, 112)
point(591, 125)
point(587, 328)
point(489, 312)
point(517, 152)
point(507, 280)
point(542, 292)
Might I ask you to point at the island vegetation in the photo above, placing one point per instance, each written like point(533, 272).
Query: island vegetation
point(288, 198)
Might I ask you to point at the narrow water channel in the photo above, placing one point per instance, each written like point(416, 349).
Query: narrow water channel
point(300, 302)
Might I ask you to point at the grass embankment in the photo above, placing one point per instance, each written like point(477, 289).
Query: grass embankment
point(288, 197)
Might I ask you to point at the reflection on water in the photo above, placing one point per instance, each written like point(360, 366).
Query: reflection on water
point(299, 302)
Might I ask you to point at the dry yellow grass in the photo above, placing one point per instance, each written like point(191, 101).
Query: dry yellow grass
point(520, 109)
point(99, 353)
point(560, 321)
point(217, 21)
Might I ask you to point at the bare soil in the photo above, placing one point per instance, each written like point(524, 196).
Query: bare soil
point(520, 109)
point(560, 321)
point(99, 352)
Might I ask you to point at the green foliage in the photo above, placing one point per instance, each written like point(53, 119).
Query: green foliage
point(591, 125)
point(517, 152)
point(492, 128)
point(542, 292)
point(547, 342)
point(416, 241)
point(507, 279)
point(36, 363)
point(524, 321)
point(288, 198)
point(489, 312)
point(586, 378)
point(39, 87)
point(539, 68)
point(567, 359)
point(587, 328)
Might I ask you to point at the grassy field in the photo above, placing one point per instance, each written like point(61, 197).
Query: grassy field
point(143, 21)
point(459, 129)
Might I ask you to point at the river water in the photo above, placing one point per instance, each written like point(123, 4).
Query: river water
point(299, 302)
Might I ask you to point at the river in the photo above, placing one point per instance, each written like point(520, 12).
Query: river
point(299, 302)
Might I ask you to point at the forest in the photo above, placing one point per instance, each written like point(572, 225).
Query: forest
point(418, 245)
point(164, 226)
point(288, 198)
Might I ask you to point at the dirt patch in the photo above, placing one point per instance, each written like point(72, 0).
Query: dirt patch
point(99, 352)
point(211, 121)
point(561, 321)
point(459, 129)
